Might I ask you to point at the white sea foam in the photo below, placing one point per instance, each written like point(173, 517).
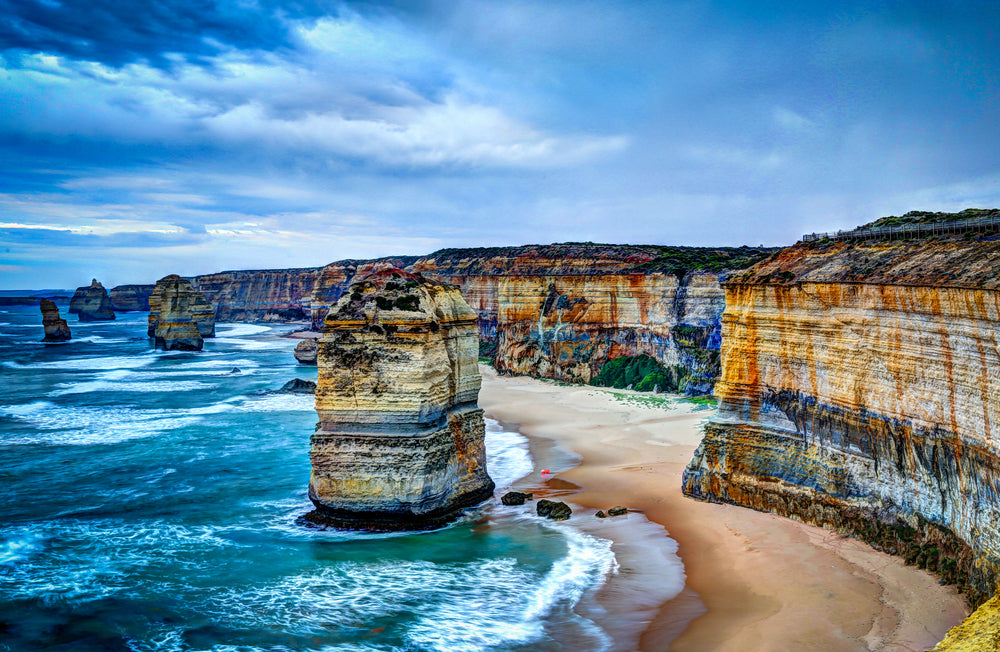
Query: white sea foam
point(507, 455)
point(118, 386)
point(87, 426)
point(18, 548)
point(277, 403)
point(239, 330)
point(88, 364)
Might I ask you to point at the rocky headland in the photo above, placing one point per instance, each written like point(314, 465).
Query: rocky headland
point(179, 316)
point(268, 295)
point(859, 391)
point(127, 298)
point(400, 439)
point(91, 303)
point(56, 328)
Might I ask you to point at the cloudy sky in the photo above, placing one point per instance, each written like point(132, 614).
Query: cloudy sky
point(189, 136)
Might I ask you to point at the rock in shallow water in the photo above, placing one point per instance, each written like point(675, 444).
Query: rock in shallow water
point(56, 328)
point(514, 498)
point(306, 351)
point(299, 386)
point(400, 440)
point(556, 510)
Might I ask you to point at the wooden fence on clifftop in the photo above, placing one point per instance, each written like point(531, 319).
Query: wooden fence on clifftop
point(904, 231)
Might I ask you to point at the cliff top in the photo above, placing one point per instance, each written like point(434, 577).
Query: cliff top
point(587, 258)
point(961, 260)
point(395, 296)
point(930, 217)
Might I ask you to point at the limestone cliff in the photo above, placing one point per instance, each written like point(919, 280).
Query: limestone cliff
point(125, 298)
point(400, 439)
point(563, 310)
point(91, 303)
point(860, 390)
point(56, 328)
point(259, 295)
point(173, 303)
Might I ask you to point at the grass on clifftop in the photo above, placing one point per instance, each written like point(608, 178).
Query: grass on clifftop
point(930, 217)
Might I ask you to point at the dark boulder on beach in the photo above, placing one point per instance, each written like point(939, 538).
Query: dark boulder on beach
point(514, 498)
point(555, 510)
point(617, 511)
point(299, 386)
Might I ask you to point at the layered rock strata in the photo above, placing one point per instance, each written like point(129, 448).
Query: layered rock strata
point(334, 279)
point(561, 311)
point(127, 298)
point(174, 300)
point(56, 328)
point(860, 390)
point(400, 439)
point(270, 295)
point(91, 303)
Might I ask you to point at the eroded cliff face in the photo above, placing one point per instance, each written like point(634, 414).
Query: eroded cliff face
point(400, 439)
point(860, 390)
point(125, 298)
point(562, 311)
point(259, 295)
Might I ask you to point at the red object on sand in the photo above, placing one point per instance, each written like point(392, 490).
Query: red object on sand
point(546, 471)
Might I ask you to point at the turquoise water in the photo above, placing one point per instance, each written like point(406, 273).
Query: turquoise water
point(150, 500)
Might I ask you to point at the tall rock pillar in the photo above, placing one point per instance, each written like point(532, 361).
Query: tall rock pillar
point(400, 440)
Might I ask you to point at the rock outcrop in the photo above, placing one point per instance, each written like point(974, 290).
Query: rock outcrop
point(860, 390)
point(270, 295)
point(56, 328)
point(91, 303)
point(334, 280)
point(126, 298)
point(175, 300)
point(400, 439)
point(306, 351)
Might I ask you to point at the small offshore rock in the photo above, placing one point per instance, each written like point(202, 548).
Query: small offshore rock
point(555, 510)
point(306, 351)
point(56, 328)
point(299, 386)
point(600, 514)
point(236, 370)
point(617, 511)
point(514, 498)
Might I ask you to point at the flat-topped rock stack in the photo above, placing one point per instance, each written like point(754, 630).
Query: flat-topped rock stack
point(91, 303)
point(56, 328)
point(179, 316)
point(400, 439)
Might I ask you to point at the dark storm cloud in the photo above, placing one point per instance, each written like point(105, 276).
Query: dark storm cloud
point(116, 32)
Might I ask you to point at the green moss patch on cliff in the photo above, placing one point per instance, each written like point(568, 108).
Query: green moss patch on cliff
point(641, 373)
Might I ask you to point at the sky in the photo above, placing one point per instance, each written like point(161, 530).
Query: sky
point(139, 139)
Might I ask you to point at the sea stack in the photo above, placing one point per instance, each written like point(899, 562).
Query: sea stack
point(400, 439)
point(178, 317)
point(184, 302)
point(306, 351)
point(56, 328)
point(91, 303)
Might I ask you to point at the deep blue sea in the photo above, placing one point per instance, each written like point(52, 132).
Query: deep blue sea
point(150, 501)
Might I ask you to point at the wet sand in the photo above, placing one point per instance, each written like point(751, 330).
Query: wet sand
point(755, 581)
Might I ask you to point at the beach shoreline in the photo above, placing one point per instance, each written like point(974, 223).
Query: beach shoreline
point(755, 581)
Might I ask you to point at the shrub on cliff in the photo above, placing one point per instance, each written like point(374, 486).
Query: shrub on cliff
point(642, 372)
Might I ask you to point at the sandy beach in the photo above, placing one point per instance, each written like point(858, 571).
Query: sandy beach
point(754, 581)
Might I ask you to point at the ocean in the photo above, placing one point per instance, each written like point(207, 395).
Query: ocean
point(150, 502)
